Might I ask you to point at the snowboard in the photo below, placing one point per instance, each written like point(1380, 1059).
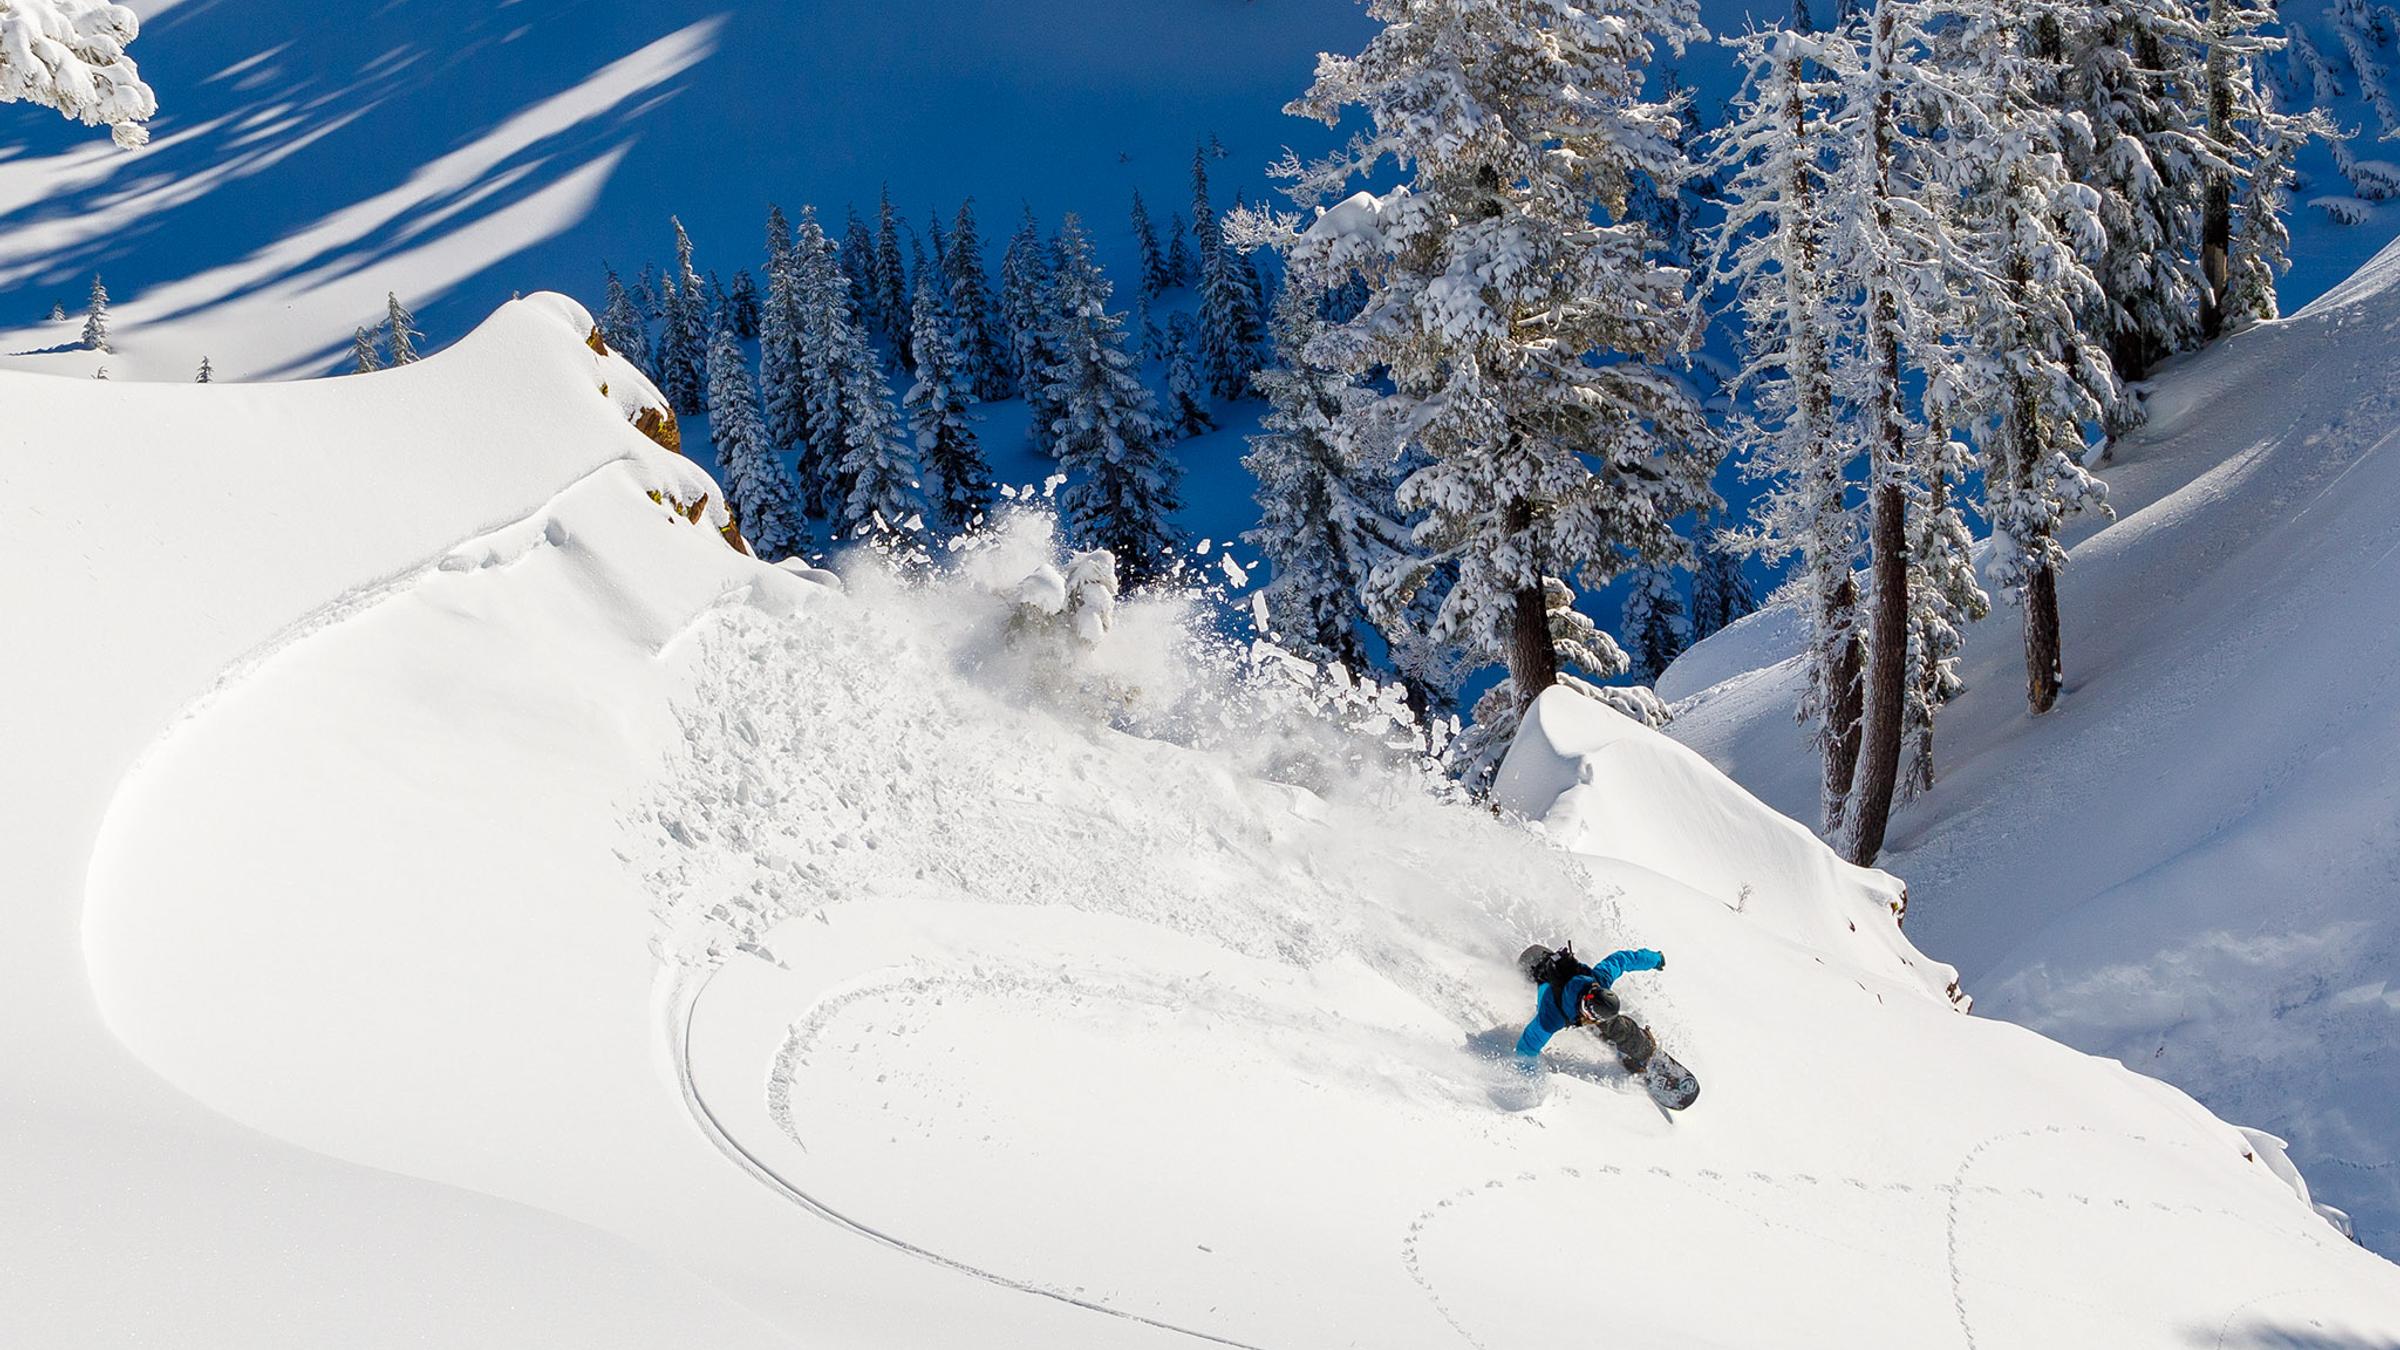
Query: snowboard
point(1671, 1085)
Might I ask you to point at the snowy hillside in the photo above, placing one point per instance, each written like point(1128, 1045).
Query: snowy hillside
point(2190, 865)
point(461, 901)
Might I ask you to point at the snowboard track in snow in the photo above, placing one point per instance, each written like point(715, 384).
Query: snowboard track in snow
point(684, 996)
point(1955, 1193)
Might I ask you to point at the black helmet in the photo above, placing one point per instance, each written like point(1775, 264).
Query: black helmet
point(1599, 1004)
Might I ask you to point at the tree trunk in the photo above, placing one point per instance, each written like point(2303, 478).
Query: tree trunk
point(1885, 698)
point(2216, 212)
point(2041, 640)
point(1532, 653)
point(2216, 250)
point(1844, 697)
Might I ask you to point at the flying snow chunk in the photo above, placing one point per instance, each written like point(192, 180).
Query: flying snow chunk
point(1234, 572)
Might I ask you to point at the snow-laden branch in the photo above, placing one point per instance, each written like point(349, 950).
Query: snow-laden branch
point(70, 55)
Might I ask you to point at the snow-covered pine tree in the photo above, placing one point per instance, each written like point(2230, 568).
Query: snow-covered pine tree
point(956, 476)
point(1187, 404)
point(2142, 146)
point(759, 490)
point(621, 326)
point(1943, 594)
point(878, 475)
point(650, 289)
point(1654, 630)
point(1207, 231)
point(1257, 299)
point(58, 312)
point(365, 355)
point(1122, 482)
point(829, 335)
point(95, 319)
point(1326, 520)
point(889, 276)
point(1150, 341)
point(1515, 310)
point(857, 459)
point(2261, 245)
point(1181, 270)
point(857, 256)
point(1145, 241)
point(70, 55)
point(1775, 248)
point(1229, 328)
point(1721, 590)
point(207, 374)
point(399, 330)
point(683, 335)
point(782, 376)
point(717, 302)
point(742, 310)
point(937, 248)
point(1229, 316)
point(2244, 244)
point(2028, 373)
point(1888, 238)
point(915, 272)
point(1027, 310)
point(982, 335)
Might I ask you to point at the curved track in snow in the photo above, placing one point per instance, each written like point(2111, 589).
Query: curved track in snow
point(682, 996)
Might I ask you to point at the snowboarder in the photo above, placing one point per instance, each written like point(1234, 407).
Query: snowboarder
point(1572, 994)
point(1569, 993)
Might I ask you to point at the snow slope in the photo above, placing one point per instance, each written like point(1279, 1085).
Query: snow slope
point(156, 539)
point(579, 933)
point(2191, 865)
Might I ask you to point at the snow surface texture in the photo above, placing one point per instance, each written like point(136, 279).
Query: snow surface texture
point(590, 936)
point(2191, 865)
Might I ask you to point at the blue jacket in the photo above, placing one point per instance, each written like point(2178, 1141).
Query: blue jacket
point(1555, 1008)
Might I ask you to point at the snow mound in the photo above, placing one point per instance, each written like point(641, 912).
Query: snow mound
point(2189, 865)
point(724, 956)
point(1605, 784)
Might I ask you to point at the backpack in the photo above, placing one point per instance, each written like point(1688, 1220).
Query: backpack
point(1553, 967)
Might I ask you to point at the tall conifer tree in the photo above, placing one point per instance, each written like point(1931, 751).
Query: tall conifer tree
point(758, 488)
point(1123, 482)
point(1552, 445)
